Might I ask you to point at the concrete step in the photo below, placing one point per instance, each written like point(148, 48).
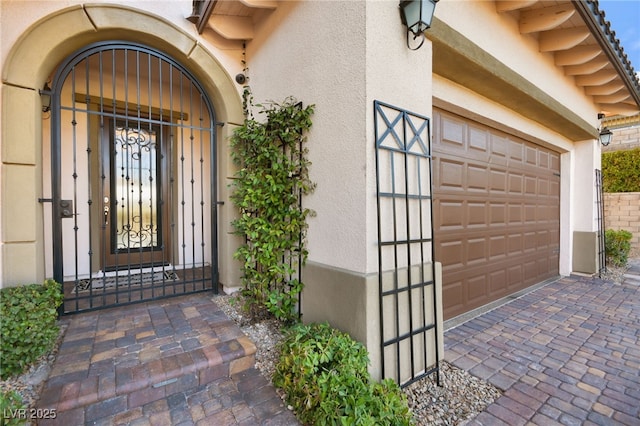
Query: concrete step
point(120, 359)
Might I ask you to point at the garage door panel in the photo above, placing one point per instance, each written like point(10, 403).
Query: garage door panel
point(496, 212)
point(451, 174)
point(515, 153)
point(479, 139)
point(476, 251)
point(476, 214)
point(477, 288)
point(477, 177)
point(531, 156)
point(453, 132)
point(498, 179)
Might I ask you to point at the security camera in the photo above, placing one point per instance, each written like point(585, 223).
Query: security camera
point(241, 78)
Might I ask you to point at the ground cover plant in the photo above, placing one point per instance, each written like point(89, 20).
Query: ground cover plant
point(324, 374)
point(28, 326)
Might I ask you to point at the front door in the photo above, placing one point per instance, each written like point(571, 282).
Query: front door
point(134, 211)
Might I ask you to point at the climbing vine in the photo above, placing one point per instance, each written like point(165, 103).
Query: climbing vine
point(272, 176)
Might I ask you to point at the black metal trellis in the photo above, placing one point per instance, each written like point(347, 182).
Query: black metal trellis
point(407, 288)
point(602, 256)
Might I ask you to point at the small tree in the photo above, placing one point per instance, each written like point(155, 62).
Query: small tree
point(272, 176)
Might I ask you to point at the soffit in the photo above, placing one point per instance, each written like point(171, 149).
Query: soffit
point(582, 44)
point(231, 19)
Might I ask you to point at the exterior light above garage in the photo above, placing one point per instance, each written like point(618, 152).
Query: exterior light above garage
point(605, 136)
point(417, 15)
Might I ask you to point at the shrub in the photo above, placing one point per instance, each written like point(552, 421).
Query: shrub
point(11, 404)
point(324, 373)
point(620, 171)
point(27, 324)
point(617, 246)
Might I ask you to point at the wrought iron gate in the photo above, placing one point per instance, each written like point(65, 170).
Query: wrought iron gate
point(408, 307)
point(133, 179)
point(602, 256)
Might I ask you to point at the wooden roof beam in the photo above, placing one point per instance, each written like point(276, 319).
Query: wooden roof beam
point(563, 39)
point(617, 97)
point(260, 4)
point(604, 89)
point(578, 55)
point(509, 5)
point(232, 27)
point(597, 78)
point(619, 108)
point(590, 67)
point(548, 18)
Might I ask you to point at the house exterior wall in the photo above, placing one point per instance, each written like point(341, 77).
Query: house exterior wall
point(338, 55)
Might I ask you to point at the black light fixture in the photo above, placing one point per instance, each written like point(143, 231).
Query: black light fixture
point(605, 136)
point(45, 96)
point(417, 15)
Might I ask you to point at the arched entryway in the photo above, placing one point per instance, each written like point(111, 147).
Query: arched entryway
point(27, 166)
point(133, 149)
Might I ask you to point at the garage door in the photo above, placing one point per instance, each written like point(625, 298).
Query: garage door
point(496, 212)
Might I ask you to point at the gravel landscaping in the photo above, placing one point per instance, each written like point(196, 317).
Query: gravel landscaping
point(460, 397)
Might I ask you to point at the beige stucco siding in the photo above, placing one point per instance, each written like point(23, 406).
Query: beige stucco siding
point(323, 64)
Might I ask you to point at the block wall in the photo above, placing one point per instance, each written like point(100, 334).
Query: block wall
point(622, 211)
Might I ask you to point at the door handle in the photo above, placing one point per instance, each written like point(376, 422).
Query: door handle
point(106, 210)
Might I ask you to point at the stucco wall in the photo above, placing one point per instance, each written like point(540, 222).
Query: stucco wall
point(622, 211)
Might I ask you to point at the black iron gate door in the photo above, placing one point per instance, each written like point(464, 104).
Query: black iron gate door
point(133, 178)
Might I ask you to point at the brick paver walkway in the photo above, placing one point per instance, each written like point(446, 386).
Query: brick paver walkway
point(567, 353)
point(178, 361)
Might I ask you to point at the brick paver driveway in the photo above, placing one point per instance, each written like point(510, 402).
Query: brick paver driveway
point(567, 353)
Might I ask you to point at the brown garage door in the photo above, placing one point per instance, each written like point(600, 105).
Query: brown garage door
point(496, 212)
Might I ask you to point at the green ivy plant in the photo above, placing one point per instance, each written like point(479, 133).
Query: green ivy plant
point(272, 176)
point(324, 374)
point(28, 326)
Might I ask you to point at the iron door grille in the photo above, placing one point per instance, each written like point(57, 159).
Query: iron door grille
point(407, 289)
point(133, 178)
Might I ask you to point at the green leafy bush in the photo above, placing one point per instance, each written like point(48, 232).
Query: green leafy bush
point(11, 404)
point(621, 171)
point(617, 246)
point(324, 373)
point(27, 324)
point(272, 176)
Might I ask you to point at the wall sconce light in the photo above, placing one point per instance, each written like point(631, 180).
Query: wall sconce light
point(605, 134)
point(417, 15)
point(45, 96)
